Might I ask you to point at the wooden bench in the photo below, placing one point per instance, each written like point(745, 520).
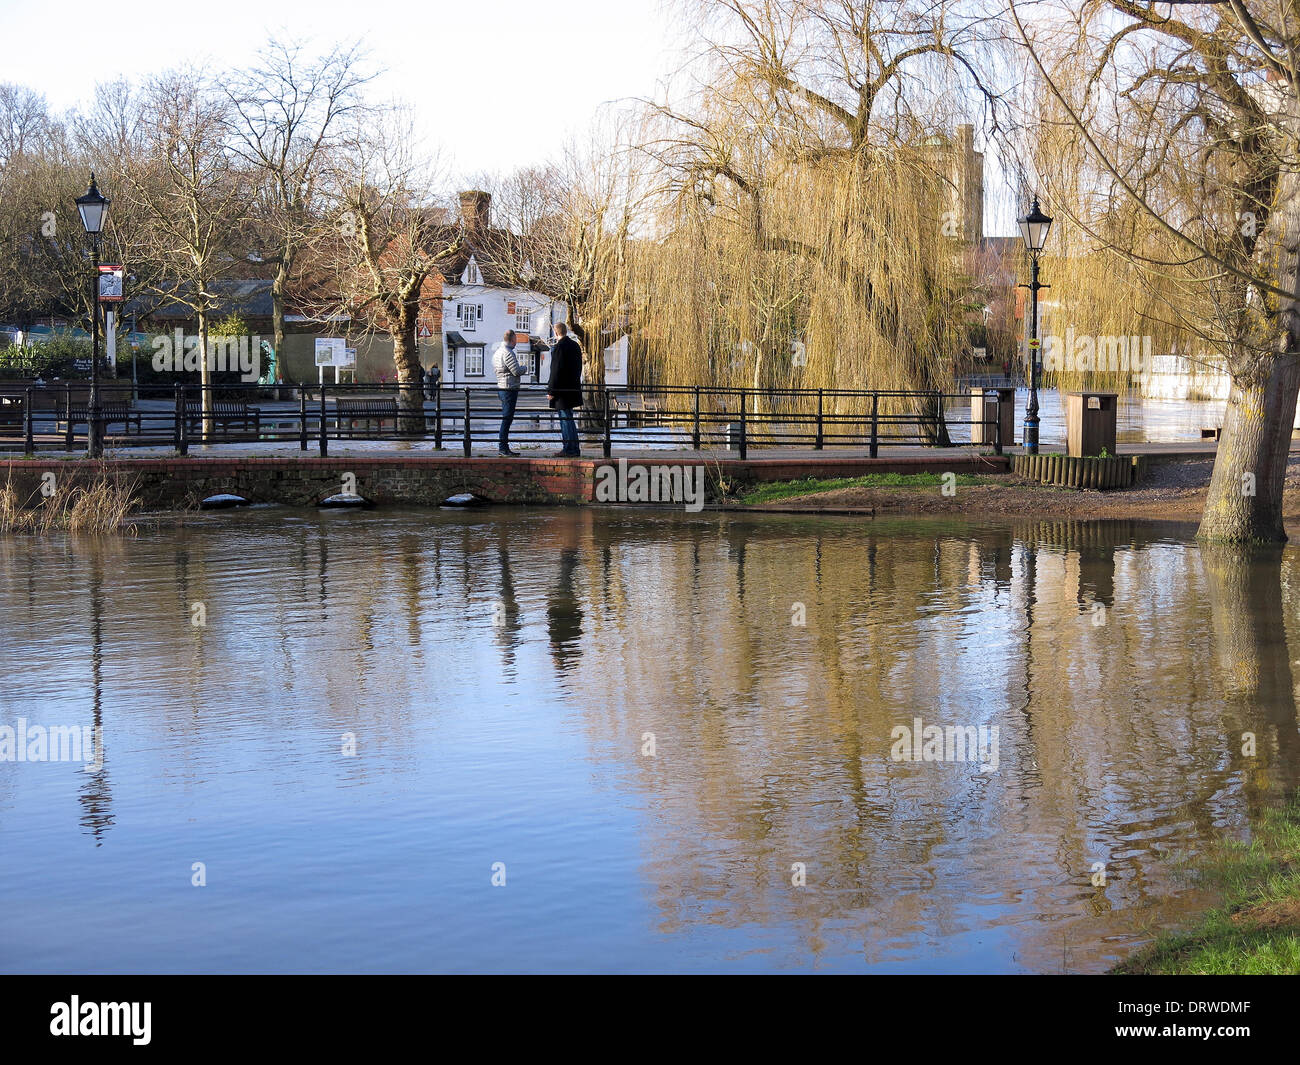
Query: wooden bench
point(225, 413)
point(108, 414)
point(364, 410)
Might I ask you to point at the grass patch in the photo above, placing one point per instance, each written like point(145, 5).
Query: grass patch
point(768, 493)
point(1256, 932)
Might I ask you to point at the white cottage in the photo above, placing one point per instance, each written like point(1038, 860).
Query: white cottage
point(479, 305)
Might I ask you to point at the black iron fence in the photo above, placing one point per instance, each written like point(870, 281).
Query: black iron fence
point(46, 416)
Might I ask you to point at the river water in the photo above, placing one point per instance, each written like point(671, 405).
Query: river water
point(669, 740)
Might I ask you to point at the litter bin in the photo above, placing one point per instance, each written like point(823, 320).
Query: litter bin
point(1090, 423)
point(988, 404)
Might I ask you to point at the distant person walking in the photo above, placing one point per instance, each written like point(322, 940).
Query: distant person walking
point(505, 364)
point(564, 389)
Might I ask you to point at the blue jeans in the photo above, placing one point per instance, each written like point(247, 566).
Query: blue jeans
point(509, 398)
point(568, 431)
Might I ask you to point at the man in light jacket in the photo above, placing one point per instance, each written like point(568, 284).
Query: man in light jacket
point(506, 365)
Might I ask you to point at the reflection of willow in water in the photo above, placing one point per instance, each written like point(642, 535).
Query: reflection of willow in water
point(1120, 733)
point(1101, 657)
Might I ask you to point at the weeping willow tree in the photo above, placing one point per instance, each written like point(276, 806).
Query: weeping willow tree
point(1190, 119)
point(813, 208)
point(1123, 291)
point(1104, 317)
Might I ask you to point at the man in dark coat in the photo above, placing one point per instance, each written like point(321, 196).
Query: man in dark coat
point(564, 389)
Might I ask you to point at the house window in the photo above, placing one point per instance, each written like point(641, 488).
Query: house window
point(469, 315)
point(523, 318)
point(614, 359)
point(474, 362)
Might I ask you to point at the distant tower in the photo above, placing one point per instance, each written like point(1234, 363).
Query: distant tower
point(967, 177)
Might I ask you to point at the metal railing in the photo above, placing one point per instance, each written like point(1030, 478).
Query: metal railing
point(661, 417)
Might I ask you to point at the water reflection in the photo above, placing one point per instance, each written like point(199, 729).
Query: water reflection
point(501, 674)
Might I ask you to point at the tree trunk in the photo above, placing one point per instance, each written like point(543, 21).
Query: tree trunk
point(1244, 503)
point(406, 359)
point(279, 285)
point(205, 377)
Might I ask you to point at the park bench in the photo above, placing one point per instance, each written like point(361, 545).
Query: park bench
point(109, 413)
point(364, 410)
point(225, 413)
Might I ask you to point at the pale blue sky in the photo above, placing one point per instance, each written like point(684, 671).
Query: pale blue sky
point(494, 82)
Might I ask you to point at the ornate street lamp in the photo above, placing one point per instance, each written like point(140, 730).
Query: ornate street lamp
point(1033, 231)
point(93, 208)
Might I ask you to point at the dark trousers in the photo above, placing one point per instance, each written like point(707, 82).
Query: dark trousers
point(568, 431)
point(509, 398)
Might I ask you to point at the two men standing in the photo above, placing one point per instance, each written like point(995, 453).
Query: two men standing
point(563, 390)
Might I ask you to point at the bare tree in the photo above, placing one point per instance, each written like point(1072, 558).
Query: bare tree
point(568, 228)
point(191, 193)
point(287, 111)
point(390, 241)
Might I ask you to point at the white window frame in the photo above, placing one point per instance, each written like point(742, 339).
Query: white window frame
point(474, 357)
point(523, 319)
point(469, 315)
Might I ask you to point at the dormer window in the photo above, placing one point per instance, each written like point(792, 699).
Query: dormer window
point(472, 275)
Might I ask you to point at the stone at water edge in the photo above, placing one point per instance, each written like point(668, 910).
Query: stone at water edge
point(342, 501)
point(222, 501)
point(464, 499)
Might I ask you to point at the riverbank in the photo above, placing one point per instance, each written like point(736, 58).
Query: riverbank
point(1171, 491)
point(1256, 930)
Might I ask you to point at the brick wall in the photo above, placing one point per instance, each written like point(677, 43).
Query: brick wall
point(166, 483)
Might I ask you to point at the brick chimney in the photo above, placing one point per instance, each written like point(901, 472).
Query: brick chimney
point(475, 207)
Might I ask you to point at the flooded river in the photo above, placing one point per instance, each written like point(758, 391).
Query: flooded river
point(569, 740)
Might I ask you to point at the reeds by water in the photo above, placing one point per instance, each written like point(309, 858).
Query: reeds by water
point(103, 505)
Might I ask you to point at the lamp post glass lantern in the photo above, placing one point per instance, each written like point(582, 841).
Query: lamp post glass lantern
point(93, 208)
point(1033, 231)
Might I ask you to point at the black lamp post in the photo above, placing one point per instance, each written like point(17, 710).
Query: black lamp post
point(93, 208)
point(1033, 231)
